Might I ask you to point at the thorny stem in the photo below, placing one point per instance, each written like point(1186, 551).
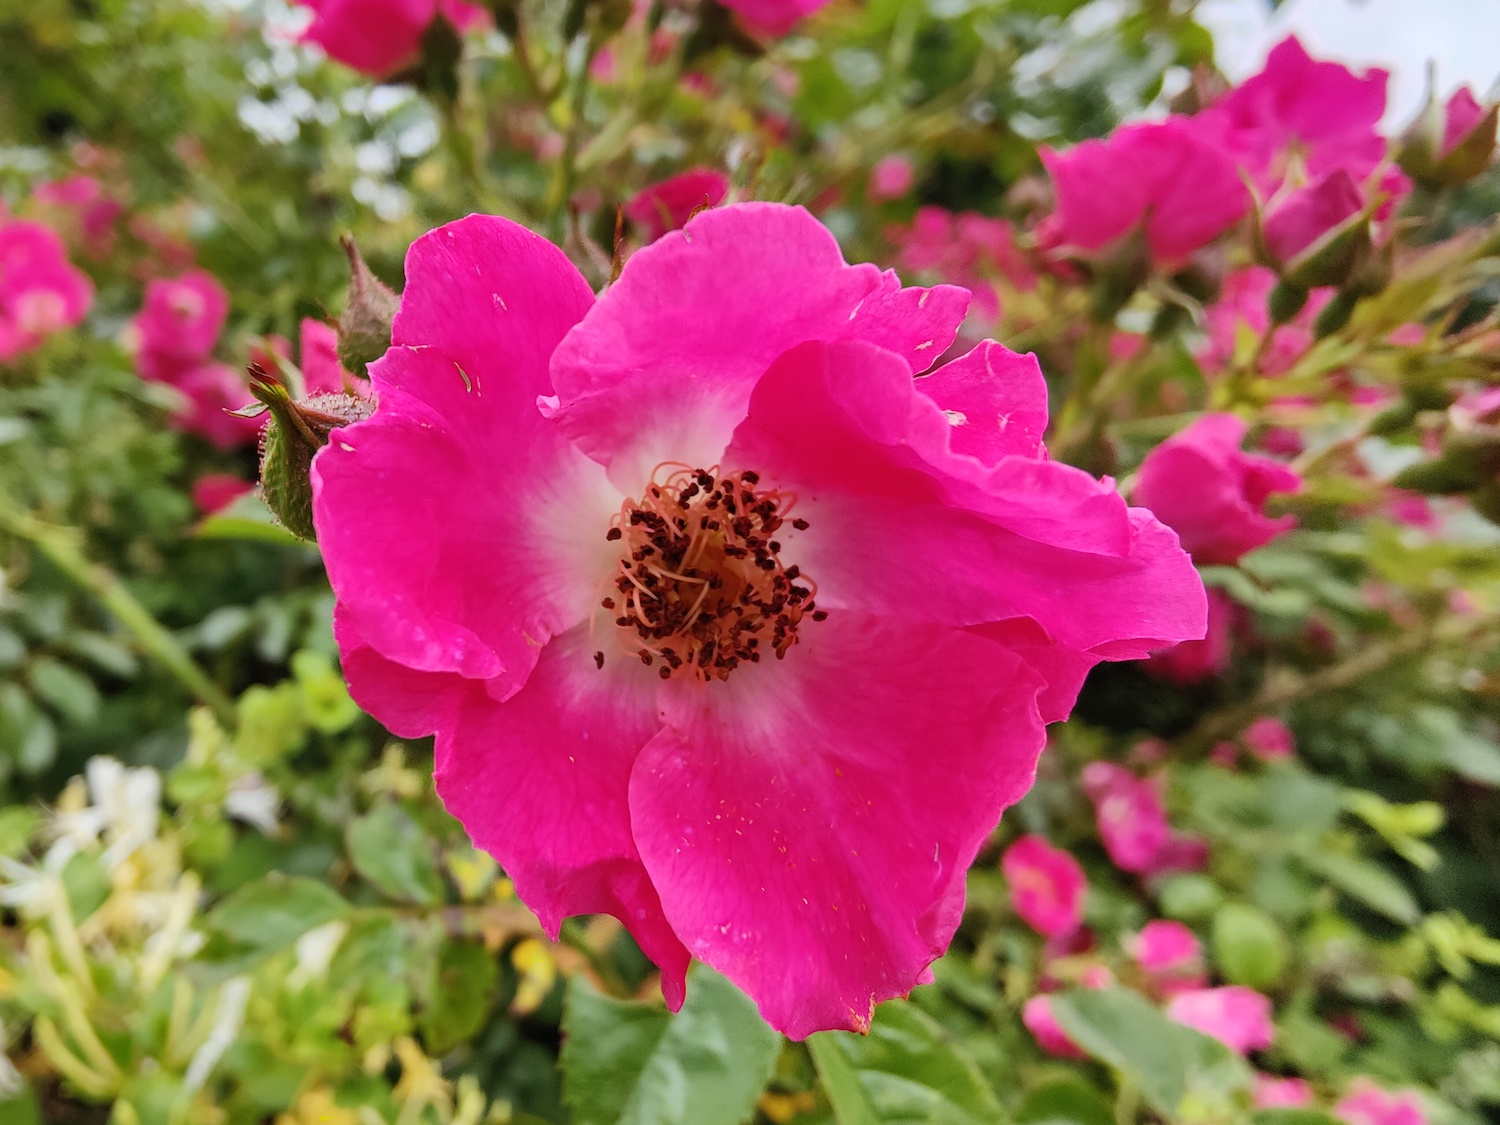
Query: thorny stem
point(61, 546)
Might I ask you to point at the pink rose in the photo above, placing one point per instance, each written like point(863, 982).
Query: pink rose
point(379, 37)
point(322, 373)
point(209, 393)
point(1192, 662)
point(1367, 1104)
point(213, 492)
point(1160, 176)
point(93, 212)
point(1319, 112)
point(643, 564)
point(1271, 1092)
point(774, 17)
point(1300, 218)
point(1164, 947)
point(41, 293)
point(967, 249)
point(1047, 886)
point(1132, 822)
point(1269, 739)
point(891, 178)
point(1241, 310)
point(1237, 1016)
point(1050, 1037)
point(1200, 484)
point(669, 204)
point(179, 325)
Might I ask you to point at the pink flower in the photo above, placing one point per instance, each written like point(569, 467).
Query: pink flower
point(774, 17)
point(1241, 309)
point(1319, 112)
point(1461, 117)
point(1201, 485)
point(1367, 1104)
point(1050, 1037)
point(1271, 1092)
point(1046, 886)
point(1167, 948)
point(967, 249)
point(1237, 1016)
point(1192, 662)
point(1301, 217)
point(378, 37)
point(891, 178)
point(41, 293)
point(669, 204)
point(213, 492)
point(615, 721)
point(322, 373)
point(209, 393)
point(1269, 739)
point(93, 212)
point(1160, 176)
point(1132, 823)
point(179, 325)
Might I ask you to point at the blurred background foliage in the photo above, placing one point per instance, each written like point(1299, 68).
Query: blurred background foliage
point(230, 897)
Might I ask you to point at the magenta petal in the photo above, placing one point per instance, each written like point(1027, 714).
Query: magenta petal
point(541, 782)
point(995, 400)
point(408, 703)
point(459, 528)
point(900, 524)
point(662, 367)
point(374, 37)
point(808, 822)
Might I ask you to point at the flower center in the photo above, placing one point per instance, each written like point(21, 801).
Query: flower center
point(700, 587)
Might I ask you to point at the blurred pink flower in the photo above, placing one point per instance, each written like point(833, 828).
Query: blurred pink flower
point(1237, 1016)
point(774, 17)
point(1047, 885)
point(891, 178)
point(1367, 1104)
point(177, 328)
point(1296, 107)
point(213, 492)
point(209, 392)
point(1192, 662)
point(379, 37)
point(1241, 309)
point(1050, 1037)
point(1461, 116)
point(967, 249)
point(322, 373)
point(93, 212)
point(1158, 176)
point(1296, 220)
point(1132, 822)
point(41, 293)
point(668, 205)
point(1269, 739)
point(1272, 1092)
point(1165, 947)
point(1200, 484)
point(615, 722)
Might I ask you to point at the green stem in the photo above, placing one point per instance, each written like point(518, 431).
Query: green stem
point(60, 545)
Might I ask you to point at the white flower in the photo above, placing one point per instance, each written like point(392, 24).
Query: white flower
point(252, 800)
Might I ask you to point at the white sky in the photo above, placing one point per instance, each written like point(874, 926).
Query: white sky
point(1461, 36)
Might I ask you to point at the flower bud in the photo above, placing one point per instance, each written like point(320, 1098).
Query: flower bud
point(1316, 235)
point(365, 324)
point(295, 432)
point(1449, 144)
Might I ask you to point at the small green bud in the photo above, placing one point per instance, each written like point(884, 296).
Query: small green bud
point(1285, 302)
point(365, 324)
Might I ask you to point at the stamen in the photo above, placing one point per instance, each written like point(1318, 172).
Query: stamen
point(699, 546)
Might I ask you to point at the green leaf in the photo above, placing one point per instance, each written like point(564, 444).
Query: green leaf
point(262, 918)
point(247, 518)
point(20, 1108)
point(1066, 1102)
point(626, 1063)
point(1169, 1063)
point(389, 850)
point(1294, 1117)
point(905, 1071)
point(462, 995)
point(1374, 886)
point(1248, 946)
